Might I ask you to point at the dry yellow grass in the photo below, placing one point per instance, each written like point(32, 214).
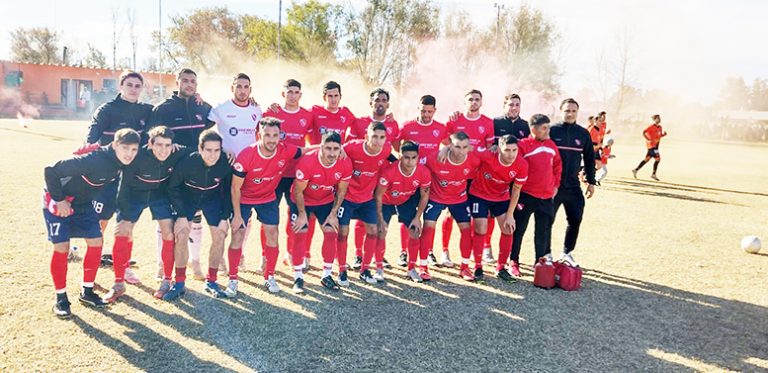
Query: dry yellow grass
point(666, 288)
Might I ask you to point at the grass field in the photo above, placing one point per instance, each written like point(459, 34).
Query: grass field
point(666, 288)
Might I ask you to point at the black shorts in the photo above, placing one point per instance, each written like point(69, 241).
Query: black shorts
point(321, 212)
point(405, 211)
point(481, 207)
point(284, 189)
point(653, 153)
point(213, 210)
point(159, 208)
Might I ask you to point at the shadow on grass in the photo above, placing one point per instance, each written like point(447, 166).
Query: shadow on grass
point(658, 190)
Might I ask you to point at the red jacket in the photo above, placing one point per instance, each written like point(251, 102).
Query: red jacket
point(544, 167)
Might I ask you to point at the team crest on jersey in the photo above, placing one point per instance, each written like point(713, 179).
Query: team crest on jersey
point(216, 179)
point(435, 133)
point(466, 171)
point(199, 117)
point(578, 142)
point(343, 119)
point(337, 175)
point(520, 207)
point(512, 173)
point(238, 167)
point(389, 130)
point(281, 163)
point(415, 183)
point(481, 129)
point(233, 131)
point(521, 134)
point(141, 122)
point(303, 122)
point(254, 117)
point(170, 169)
point(381, 162)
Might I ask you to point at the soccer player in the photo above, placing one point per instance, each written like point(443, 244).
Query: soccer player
point(574, 143)
point(428, 134)
point(489, 195)
point(257, 172)
point(318, 190)
point(596, 135)
point(653, 135)
point(236, 120)
point(143, 186)
point(294, 129)
point(449, 190)
point(332, 117)
point(124, 111)
point(396, 195)
point(368, 157)
point(544, 173)
point(606, 155)
point(70, 186)
point(480, 130)
point(201, 182)
point(379, 101)
point(187, 116)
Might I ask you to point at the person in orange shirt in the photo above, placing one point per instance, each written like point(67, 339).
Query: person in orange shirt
point(653, 135)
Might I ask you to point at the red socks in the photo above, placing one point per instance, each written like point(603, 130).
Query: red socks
point(359, 237)
point(369, 249)
point(447, 229)
point(330, 241)
point(120, 257)
point(234, 254)
point(478, 241)
point(491, 225)
point(212, 274)
point(300, 247)
point(465, 244)
point(404, 237)
point(181, 274)
point(91, 264)
point(414, 244)
point(505, 248)
point(271, 253)
point(341, 251)
point(168, 258)
point(427, 238)
point(381, 247)
point(59, 270)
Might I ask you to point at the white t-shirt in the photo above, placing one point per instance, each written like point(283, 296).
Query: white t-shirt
point(236, 125)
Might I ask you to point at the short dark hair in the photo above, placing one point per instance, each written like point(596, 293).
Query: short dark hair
point(291, 83)
point(130, 74)
point(331, 85)
point(474, 91)
point(161, 131)
point(656, 116)
point(269, 122)
point(461, 135)
point(377, 126)
point(409, 146)
point(183, 71)
point(507, 140)
point(427, 100)
point(511, 97)
point(591, 117)
point(331, 136)
point(600, 114)
point(209, 135)
point(538, 119)
point(569, 101)
point(127, 136)
point(241, 76)
point(378, 91)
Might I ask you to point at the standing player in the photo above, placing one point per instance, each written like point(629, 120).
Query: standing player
point(257, 172)
point(379, 101)
point(236, 120)
point(332, 117)
point(489, 195)
point(319, 189)
point(653, 135)
point(296, 122)
point(480, 130)
point(574, 144)
point(187, 116)
point(396, 194)
point(449, 190)
point(70, 186)
point(544, 173)
point(201, 182)
point(368, 157)
point(428, 134)
point(124, 111)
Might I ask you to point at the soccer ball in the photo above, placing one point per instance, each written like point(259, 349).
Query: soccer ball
point(751, 244)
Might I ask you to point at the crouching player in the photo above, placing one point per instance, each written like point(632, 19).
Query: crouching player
point(258, 170)
point(490, 193)
point(396, 195)
point(143, 186)
point(70, 185)
point(201, 181)
point(318, 190)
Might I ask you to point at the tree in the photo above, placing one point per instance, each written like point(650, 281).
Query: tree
point(94, 58)
point(734, 94)
point(261, 40)
point(384, 38)
point(200, 38)
point(35, 45)
point(132, 35)
point(316, 28)
point(758, 95)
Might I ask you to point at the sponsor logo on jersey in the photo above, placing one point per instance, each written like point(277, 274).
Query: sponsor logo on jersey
point(233, 131)
point(257, 180)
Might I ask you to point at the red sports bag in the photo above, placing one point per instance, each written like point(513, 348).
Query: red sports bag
point(568, 277)
point(544, 275)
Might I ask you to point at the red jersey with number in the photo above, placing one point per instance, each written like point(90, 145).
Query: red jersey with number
point(321, 180)
point(359, 128)
point(365, 169)
point(325, 121)
point(479, 130)
point(449, 180)
point(428, 136)
point(261, 174)
point(400, 187)
point(493, 178)
point(293, 130)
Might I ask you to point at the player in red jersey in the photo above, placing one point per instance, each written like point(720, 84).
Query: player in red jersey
point(428, 134)
point(490, 194)
point(449, 190)
point(480, 130)
point(332, 117)
point(319, 189)
point(368, 157)
point(396, 194)
point(294, 129)
point(258, 171)
point(379, 101)
point(653, 135)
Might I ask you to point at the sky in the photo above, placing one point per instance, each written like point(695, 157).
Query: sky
point(683, 47)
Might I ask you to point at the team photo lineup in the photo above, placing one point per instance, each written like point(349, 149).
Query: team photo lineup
point(231, 166)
